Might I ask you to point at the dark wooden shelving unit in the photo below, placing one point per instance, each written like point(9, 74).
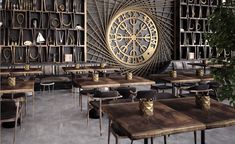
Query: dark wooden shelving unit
point(61, 25)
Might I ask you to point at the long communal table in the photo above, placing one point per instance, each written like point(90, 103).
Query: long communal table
point(170, 117)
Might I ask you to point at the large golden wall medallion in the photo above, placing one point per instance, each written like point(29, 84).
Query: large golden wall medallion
point(132, 37)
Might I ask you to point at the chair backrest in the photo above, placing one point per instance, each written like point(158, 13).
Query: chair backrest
point(126, 92)
point(105, 94)
point(148, 94)
point(200, 87)
point(8, 109)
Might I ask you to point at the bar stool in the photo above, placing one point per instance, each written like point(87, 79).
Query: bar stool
point(48, 85)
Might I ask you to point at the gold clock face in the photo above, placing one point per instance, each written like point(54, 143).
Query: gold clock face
point(132, 37)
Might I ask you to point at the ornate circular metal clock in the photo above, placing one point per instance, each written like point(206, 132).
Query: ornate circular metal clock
point(132, 37)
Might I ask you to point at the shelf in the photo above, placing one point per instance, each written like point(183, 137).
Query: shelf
point(47, 22)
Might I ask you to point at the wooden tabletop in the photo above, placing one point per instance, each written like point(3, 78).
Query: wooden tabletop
point(164, 121)
point(205, 77)
point(20, 71)
point(74, 70)
point(179, 79)
point(134, 82)
point(106, 68)
point(21, 86)
point(206, 65)
point(88, 83)
point(220, 115)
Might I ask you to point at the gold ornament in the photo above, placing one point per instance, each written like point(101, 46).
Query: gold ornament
point(199, 72)
point(203, 102)
point(132, 37)
point(129, 76)
point(146, 107)
point(11, 81)
point(95, 77)
point(173, 73)
point(26, 67)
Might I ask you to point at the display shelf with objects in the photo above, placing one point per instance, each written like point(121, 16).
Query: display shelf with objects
point(192, 27)
point(43, 32)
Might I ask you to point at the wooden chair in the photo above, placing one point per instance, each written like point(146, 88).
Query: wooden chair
point(97, 100)
point(21, 97)
point(10, 112)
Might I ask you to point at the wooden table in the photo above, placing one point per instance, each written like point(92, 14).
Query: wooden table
point(220, 115)
point(105, 69)
point(206, 65)
point(205, 77)
point(165, 121)
point(77, 70)
point(88, 83)
point(134, 82)
point(179, 79)
point(20, 71)
point(21, 86)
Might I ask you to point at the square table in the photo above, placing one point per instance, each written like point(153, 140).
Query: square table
point(21, 86)
point(75, 70)
point(164, 121)
point(136, 80)
point(219, 115)
point(20, 71)
point(205, 77)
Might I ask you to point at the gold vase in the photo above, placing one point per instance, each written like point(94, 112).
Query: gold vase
point(95, 77)
point(26, 67)
point(173, 73)
point(11, 81)
point(203, 102)
point(129, 76)
point(146, 107)
point(103, 65)
point(199, 72)
point(77, 66)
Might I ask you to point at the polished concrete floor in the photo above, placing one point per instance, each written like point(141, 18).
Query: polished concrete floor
point(57, 120)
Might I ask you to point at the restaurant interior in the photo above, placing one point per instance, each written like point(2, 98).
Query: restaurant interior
point(117, 71)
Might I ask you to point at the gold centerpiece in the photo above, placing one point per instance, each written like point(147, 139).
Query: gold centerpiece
point(103, 65)
point(11, 81)
point(146, 107)
point(26, 67)
point(77, 66)
point(205, 61)
point(199, 72)
point(203, 102)
point(173, 73)
point(95, 77)
point(129, 76)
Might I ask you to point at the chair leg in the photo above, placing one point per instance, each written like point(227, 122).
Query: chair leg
point(165, 142)
point(109, 132)
point(151, 140)
point(195, 137)
point(88, 110)
point(117, 140)
point(131, 141)
point(14, 138)
point(100, 110)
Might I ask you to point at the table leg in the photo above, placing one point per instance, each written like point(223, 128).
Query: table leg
point(203, 137)
point(146, 141)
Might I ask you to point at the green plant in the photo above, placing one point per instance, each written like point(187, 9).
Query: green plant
point(222, 36)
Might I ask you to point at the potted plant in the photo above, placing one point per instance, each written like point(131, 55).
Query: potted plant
point(222, 36)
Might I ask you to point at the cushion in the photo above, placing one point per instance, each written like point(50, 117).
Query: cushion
point(147, 94)
point(8, 109)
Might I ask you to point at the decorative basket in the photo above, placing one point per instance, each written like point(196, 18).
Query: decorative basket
point(26, 67)
point(146, 107)
point(11, 81)
point(77, 66)
point(203, 102)
point(95, 77)
point(173, 73)
point(199, 72)
point(129, 76)
point(103, 65)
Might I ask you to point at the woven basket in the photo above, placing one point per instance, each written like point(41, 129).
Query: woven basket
point(203, 102)
point(173, 73)
point(129, 76)
point(95, 77)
